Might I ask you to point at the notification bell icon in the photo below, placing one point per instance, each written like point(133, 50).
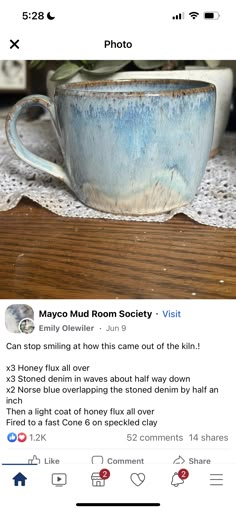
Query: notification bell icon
point(176, 481)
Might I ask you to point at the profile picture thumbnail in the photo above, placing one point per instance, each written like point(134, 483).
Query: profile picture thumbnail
point(19, 318)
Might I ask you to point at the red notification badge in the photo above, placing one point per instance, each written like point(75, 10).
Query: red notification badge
point(104, 473)
point(183, 474)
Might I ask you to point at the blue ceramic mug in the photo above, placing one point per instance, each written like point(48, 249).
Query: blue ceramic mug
point(130, 147)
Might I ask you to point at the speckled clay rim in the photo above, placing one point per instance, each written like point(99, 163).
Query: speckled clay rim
point(73, 89)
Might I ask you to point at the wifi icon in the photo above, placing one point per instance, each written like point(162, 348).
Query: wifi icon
point(194, 14)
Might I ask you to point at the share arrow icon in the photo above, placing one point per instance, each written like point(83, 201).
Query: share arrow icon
point(179, 460)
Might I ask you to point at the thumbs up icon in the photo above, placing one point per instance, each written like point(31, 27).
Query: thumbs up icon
point(34, 461)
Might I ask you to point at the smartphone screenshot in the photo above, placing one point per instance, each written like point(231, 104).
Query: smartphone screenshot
point(117, 256)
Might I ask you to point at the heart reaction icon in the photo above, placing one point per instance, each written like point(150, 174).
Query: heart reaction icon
point(137, 479)
point(22, 437)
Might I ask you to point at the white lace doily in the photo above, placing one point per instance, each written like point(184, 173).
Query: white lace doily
point(215, 203)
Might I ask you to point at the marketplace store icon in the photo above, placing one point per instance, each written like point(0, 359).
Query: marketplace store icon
point(19, 318)
point(97, 480)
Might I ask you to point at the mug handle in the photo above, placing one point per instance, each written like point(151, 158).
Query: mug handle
point(22, 152)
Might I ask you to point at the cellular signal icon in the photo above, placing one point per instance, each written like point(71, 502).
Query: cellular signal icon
point(194, 14)
point(179, 16)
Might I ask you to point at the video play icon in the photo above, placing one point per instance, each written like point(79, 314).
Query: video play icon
point(59, 479)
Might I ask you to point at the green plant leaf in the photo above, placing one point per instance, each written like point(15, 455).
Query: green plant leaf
point(37, 64)
point(145, 65)
point(106, 67)
point(65, 72)
point(88, 64)
point(34, 63)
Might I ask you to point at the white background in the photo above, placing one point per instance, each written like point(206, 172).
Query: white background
point(80, 28)
point(78, 32)
point(208, 322)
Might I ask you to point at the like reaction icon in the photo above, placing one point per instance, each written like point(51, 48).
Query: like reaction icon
point(12, 437)
point(34, 460)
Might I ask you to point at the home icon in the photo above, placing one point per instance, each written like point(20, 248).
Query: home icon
point(19, 478)
point(97, 480)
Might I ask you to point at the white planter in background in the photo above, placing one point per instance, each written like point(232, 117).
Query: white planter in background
point(222, 78)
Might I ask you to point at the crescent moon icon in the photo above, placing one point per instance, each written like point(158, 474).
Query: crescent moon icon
point(50, 17)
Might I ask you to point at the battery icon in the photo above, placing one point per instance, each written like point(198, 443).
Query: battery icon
point(211, 15)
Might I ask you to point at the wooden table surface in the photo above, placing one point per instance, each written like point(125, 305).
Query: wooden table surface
point(46, 256)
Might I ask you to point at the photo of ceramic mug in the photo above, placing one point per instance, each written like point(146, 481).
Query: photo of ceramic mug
point(130, 147)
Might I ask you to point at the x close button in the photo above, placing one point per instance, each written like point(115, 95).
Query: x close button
point(14, 44)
